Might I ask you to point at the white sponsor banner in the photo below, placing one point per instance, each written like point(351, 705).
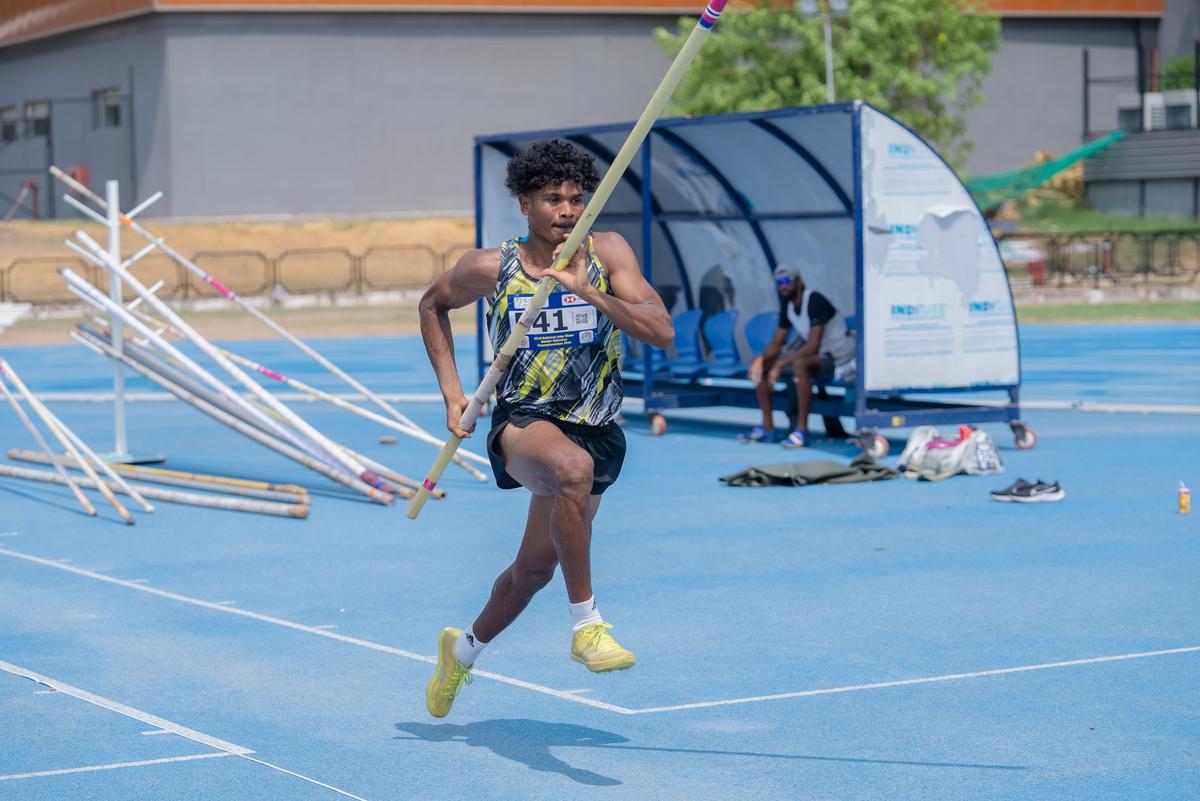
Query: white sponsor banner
point(936, 304)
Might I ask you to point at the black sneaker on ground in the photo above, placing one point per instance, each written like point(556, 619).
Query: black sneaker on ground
point(1021, 491)
point(1009, 492)
point(1043, 492)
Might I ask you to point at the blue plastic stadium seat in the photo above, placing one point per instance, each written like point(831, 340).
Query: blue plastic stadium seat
point(721, 332)
point(687, 343)
point(760, 330)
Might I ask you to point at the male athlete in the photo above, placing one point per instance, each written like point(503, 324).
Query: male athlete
point(553, 429)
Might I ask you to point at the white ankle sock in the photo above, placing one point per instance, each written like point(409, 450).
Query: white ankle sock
point(468, 647)
point(585, 613)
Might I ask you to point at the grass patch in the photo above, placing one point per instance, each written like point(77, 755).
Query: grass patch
point(1111, 313)
point(1054, 218)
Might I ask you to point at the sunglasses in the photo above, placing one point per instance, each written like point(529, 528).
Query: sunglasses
point(783, 281)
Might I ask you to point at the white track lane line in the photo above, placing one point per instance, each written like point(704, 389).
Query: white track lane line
point(127, 711)
point(154, 720)
point(567, 695)
point(923, 680)
point(114, 766)
point(332, 635)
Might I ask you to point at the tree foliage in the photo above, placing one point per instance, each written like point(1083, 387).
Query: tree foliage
point(1180, 73)
point(920, 60)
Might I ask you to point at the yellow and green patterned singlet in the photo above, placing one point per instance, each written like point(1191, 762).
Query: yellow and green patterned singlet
point(567, 367)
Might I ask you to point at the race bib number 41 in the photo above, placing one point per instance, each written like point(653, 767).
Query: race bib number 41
point(565, 321)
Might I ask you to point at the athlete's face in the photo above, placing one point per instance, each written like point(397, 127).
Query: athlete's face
point(553, 211)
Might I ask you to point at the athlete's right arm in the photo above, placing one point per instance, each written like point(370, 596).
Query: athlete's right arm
point(473, 277)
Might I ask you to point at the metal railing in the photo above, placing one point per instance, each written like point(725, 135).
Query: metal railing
point(1102, 258)
point(302, 271)
point(1090, 259)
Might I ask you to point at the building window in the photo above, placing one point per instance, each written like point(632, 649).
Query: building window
point(8, 124)
point(106, 108)
point(1129, 119)
point(37, 117)
point(1179, 117)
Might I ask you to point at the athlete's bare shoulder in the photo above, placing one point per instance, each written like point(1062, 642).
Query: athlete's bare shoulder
point(614, 251)
point(480, 260)
point(472, 277)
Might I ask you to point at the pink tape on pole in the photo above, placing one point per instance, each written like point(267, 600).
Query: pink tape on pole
point(217, 285)
point(429, 485)
point(271, 374)
point(712, 13)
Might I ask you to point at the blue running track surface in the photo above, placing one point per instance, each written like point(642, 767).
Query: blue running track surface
point(897, 640)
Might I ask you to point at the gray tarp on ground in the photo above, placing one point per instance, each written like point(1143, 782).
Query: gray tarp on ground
point(815, 471)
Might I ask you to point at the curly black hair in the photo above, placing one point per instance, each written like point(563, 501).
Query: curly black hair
point(550, 163)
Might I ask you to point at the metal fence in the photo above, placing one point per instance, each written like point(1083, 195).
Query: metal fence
point(1102, 259)
point(1095, 259)
point(305, 271)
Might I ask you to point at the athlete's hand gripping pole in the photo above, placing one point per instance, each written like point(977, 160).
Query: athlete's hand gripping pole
point(641, 129)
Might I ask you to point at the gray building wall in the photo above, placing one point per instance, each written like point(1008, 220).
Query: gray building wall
point(67, 70)
point(1035, 91)
point(358, 113)
point(1153, 174)
point(1180, 28)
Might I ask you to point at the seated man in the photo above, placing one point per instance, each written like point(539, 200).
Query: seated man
point(822, 346)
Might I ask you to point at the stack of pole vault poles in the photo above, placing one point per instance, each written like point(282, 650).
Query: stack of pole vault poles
point(270, 421)
point(462, 459)
point(231, 494)
point(300, 386)
point(152, 357)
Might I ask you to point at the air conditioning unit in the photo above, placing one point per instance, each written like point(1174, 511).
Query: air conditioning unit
point(1180, 109)
point(1162, 110)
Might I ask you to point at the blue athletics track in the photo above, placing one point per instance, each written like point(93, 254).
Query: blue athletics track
point(898, 640)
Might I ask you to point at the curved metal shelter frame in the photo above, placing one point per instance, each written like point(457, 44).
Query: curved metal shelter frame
point(864, 209)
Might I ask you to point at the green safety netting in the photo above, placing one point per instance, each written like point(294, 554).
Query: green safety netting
point(995, 189)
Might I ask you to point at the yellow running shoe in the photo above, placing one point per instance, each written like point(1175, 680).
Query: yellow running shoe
point(448, 678)
point(594, 646)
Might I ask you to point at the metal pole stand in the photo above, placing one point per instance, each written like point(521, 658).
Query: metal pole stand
point(120, 453)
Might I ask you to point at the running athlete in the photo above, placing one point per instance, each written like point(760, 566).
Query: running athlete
point(553, 429)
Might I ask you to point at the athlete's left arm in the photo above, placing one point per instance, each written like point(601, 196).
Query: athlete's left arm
point(634, 306)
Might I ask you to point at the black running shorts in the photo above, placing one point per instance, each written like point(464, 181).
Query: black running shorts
point(605, 444)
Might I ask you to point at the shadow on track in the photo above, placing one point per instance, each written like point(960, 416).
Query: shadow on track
point(525, 741)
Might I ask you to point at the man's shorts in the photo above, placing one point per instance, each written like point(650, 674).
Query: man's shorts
point(605, 444)
point(827, 363)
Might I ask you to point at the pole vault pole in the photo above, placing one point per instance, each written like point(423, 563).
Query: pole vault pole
point(641, 130)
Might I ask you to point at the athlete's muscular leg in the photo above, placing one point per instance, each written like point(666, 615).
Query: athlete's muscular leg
point(551, 466)
point(530, 571)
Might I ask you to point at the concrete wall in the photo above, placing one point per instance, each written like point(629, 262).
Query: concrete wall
point(376, 113)
point(1035, 92)
point(1180, 28)
point(67, 69)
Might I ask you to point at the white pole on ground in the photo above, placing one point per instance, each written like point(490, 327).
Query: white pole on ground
point(49, 453)
point(120, 444)
point(56, 428)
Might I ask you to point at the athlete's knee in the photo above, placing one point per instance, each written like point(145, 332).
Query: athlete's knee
point(529, 578)
point(573, 474)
